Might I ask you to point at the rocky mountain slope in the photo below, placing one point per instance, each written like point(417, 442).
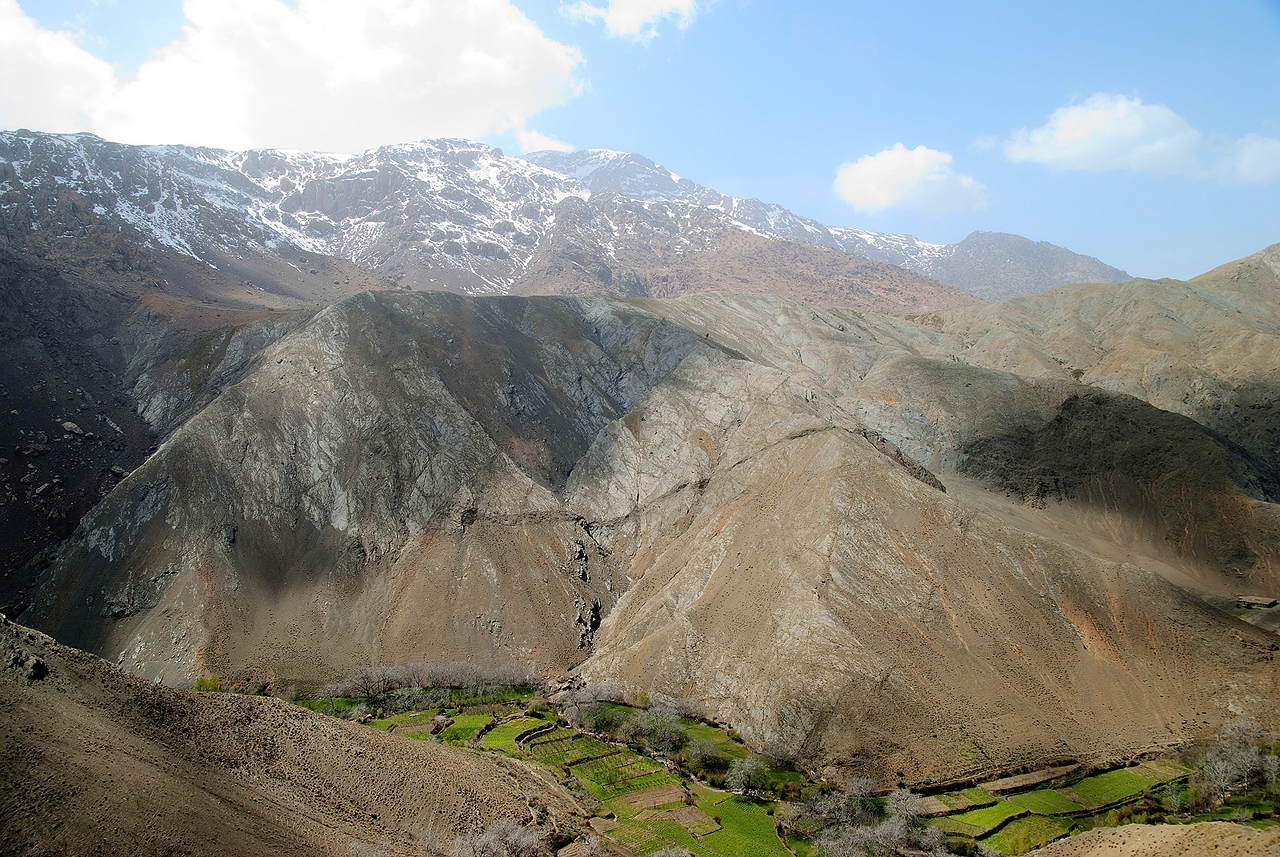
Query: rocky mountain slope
point(274, 454)
point(115, 260)
point(717, 497)
point(99, 762)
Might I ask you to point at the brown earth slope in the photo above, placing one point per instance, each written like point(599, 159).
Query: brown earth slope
point(1170, 840)
point(426, 477)
point(96, 762)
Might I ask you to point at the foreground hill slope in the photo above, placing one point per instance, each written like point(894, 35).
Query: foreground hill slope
point(717, 497)
point(1168, 840)
point(96, 762)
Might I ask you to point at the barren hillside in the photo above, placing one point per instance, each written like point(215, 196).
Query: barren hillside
point(717, 497)
point(97, 762)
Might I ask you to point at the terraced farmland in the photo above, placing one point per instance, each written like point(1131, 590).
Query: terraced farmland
point(464, 728)
point(503, 736)
point(566, 746)
point(620, 773)
point(1046, 802)
point(1123, 784)
point(1026, 834)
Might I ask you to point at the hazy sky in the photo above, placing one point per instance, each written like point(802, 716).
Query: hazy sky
point(1146, 134)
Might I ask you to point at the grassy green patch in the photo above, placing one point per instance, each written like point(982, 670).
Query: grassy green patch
point(1262, 823)
point(406, 721)
point(332, 705)
point(988, 818)
point(1111, 787)
point(418, 736)
point(465, 727)
point(1045, 802)
point(565, 746)
point(967, 799)
point(801, 845)
point(745, 820)
point(1027, 834)
point(503, 737)
point(645, 837)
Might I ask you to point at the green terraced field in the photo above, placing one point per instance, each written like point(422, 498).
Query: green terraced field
point(1111, 787)
point(742, 819)
point(1027, 834)
point(948, 825)
point(565, 746)
point(973, 798)
point(645, 837)
point(988, 818)
point(465, 727)
point(1164, 770)
point(503, 738)
point(1045, 802)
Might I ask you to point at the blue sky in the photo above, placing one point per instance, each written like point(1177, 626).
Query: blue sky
point(1146, 134)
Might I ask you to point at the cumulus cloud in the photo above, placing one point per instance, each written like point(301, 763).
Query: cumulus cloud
point(1109, 132)
point(50, 81)
point(1113, 132)
point(341, 75)
point(1252, 159)
point(636, 18)
point(898, 177)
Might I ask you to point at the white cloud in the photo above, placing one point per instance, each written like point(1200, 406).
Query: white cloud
point(1252, 159)
point(1109, 132)
point(50, 82)
point(898, 177)
point(340, 75)
point(635, 18)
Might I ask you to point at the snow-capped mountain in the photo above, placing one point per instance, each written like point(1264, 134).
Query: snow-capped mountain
point(448, 212)
point(989, 265)
point(439, 213)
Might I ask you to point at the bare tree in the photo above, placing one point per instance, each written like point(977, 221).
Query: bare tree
point(904, 804)
point(505, 837)
point(1271, 770)
point(369, 682)
point(747, 775)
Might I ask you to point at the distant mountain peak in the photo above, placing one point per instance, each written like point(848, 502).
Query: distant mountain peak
point(454, 213)
point(989, 265)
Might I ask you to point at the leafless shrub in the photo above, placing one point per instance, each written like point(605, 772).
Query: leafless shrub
point(369, 683)
point(904, 804)
point(861, 787)
point(704, 754)
point(595, 846)
point(354, 713)
point(1232, 761)
point(747, 775)
point(505, 837)
point(1271, 770)
point(894, 835)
